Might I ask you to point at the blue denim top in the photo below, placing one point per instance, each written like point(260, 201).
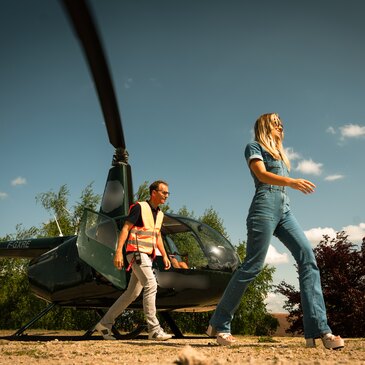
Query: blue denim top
point(255, 151)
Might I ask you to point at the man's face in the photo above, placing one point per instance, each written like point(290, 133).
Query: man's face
point(160, 195)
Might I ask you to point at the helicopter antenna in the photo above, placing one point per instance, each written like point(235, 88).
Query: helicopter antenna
point(58, 226)
point(77, 220)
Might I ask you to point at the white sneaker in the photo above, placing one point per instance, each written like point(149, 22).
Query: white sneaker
point(329, 341)
point(225, 339)
point(159, 335)
point(104, 331)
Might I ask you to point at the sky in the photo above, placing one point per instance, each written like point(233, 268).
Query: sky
point(191, 77)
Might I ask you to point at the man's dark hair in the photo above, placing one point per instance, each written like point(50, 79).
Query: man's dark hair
point(155, 185)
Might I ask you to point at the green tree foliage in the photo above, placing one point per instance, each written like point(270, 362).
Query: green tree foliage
point(15, 297)
point(212, 219)
point(65, 219)
point(142, 193)
point(252, 317)
point(342, 268)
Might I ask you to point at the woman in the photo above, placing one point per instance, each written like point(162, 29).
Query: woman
point(270, 214)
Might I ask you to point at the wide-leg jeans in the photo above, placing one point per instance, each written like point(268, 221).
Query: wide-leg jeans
point(270, 215)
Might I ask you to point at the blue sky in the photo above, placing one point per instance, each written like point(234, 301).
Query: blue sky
point(191, 78)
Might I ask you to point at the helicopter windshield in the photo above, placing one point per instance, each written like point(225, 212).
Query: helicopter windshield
point(198, 245)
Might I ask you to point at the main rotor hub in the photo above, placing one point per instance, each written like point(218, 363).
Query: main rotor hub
point(120, 156)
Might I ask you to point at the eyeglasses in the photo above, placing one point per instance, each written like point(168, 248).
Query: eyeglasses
point(278, 125)
point(164, 193)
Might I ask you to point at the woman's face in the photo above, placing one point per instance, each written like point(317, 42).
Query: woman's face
point(277, 126)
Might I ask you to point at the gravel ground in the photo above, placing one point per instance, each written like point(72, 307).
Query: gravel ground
point(189, 351)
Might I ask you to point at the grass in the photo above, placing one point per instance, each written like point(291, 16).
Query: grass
point(266, 339)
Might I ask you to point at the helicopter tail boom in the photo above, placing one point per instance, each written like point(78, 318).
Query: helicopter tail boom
point(30, 248)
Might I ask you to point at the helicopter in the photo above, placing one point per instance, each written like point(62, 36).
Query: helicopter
point(77, 271)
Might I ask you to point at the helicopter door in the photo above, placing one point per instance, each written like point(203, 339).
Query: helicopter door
point(96, 245)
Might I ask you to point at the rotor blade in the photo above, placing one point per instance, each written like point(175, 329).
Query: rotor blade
point(85, 28)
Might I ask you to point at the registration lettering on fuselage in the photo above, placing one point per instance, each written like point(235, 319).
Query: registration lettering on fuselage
point(19, 244)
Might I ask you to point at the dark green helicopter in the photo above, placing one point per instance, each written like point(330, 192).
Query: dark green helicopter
point(78, 271)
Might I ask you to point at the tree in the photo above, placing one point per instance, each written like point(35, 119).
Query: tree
point(65, 219)
point(342, 268)
point(251, 317)
point(15, 297)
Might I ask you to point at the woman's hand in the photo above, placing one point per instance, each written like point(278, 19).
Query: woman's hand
point(305, 186)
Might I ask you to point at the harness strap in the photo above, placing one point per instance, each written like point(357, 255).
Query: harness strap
point(130, 264)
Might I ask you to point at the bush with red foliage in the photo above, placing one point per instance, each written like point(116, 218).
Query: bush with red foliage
point(342, 267)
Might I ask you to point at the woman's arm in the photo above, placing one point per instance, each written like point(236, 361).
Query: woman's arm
point(258, 168)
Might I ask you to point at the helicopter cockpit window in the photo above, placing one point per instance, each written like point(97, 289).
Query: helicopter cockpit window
point(221, 254)
point(198, 245)
point(182, 244)
point(185, 251)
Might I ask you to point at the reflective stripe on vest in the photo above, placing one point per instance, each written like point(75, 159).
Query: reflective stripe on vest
point(146, 236)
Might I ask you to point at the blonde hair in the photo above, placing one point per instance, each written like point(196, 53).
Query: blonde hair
point(263, 128)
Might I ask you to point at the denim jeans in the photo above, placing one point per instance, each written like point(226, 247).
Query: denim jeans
point(142, 278)
point(270, 215)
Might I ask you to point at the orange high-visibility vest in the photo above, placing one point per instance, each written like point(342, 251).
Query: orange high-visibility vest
point(144, 239)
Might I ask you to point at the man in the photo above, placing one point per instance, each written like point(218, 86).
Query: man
point(142, 236)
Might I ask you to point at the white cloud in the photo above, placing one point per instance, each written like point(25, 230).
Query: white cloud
point(275, 302)
point(315, 235)
point(309, 167)
point(3, 195)
point(292, 155)
point(273, 257)
point(334, 177)
point(355, 233)
point(331, 130)
point(19, 181)
point(352, 131)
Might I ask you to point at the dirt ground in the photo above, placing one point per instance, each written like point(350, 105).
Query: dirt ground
point(54, 347)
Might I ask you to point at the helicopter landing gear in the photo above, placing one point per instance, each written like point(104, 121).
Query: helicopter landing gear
point(128, 336)
point(136, 332)
point(35, 319)
point(172, 324)
point(88, 334)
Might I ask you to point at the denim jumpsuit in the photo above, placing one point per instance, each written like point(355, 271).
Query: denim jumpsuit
point(269, 215)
